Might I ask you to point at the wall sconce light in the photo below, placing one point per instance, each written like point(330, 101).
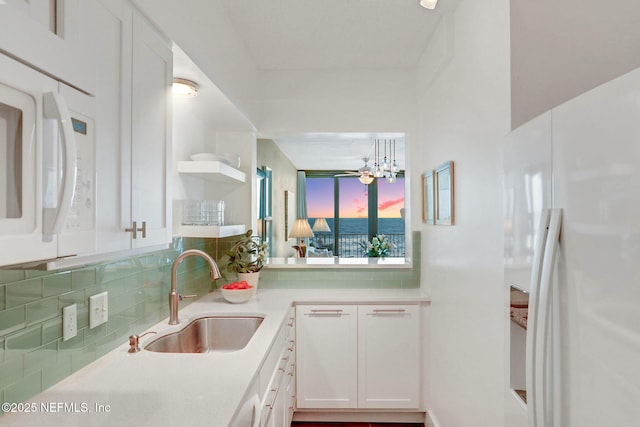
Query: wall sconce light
point(428, 4)
point(185, 88)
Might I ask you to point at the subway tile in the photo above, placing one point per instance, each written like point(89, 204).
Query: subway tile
point(23, 341)
point(72, 344)
point(116, 270)
point(56, 372)
point(44, 309)
point(74, 297)
point(56, 284)
point(83, 317)
point(8, 276)
point(51, 330)
point(31, 274)
point(83, 356)
point(12, 319)
point(23, 292)
point(25, 388)
point(11, 370)
point(83, 278)
point(39, 358)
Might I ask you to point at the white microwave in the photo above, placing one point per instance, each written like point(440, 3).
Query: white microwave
point(47, 167)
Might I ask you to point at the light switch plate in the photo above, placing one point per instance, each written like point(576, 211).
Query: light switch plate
point(98, 309)
point(69, 322)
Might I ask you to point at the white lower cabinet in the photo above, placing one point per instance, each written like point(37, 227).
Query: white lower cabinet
point(358, 356)
point(389, 356)
point(327, 353)
point(277, 378)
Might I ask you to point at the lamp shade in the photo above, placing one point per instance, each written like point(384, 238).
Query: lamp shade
point(321, 225)
point(301, 228)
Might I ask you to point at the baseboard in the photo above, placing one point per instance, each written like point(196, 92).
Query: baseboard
point(362, 416)
point(431, 420)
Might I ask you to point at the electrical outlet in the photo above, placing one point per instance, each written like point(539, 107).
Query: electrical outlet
point(69, 322)
point(98, 309)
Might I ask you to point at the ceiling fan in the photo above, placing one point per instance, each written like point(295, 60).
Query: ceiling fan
point(364, 173)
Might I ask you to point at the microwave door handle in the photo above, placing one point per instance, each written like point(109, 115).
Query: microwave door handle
point(56, 108)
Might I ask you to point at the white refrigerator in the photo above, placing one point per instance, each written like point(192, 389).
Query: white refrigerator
point(572, 245)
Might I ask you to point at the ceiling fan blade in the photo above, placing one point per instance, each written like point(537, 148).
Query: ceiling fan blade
point(348, 173)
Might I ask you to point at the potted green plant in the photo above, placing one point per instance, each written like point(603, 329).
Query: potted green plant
point(246, 258)
point(379, 246)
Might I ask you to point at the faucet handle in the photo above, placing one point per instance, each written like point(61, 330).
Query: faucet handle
point(134, 341)
point(181, 297)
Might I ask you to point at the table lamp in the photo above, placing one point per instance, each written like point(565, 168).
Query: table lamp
point(300, 230)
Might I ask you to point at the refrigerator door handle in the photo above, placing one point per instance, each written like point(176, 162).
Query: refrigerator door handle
point(545, 351)
point(540, 333)
point(532, 367)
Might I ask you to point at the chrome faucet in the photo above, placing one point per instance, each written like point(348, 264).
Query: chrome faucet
point(174, 296)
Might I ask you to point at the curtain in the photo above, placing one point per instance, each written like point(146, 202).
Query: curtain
point(301, 195)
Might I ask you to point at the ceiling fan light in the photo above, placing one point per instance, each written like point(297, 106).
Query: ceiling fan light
point(366, 179)
point(428, 4)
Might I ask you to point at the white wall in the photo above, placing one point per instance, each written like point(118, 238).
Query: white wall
point(285, 178)
point(294, 101)
point(561, 49)
point(463, 91)
point(210, 40)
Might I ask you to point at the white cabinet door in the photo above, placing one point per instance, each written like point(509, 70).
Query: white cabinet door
point(389, 356)
point(132, 141)
point(151, 81)
point(326, 354)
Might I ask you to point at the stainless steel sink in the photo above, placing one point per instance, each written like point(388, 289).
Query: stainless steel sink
point(209, 334)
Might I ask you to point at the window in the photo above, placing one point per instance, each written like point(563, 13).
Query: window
point(355, 212)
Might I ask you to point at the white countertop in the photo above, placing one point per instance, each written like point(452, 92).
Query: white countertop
point(159, 389)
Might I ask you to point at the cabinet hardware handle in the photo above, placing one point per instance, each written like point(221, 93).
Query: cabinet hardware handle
point(326, 310)
point(275, 395)
point(388, 310)
point(133, 229)
point(143, 230)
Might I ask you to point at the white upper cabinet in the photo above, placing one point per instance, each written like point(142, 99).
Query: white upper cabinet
point(55, 38)
point(150, 134)
point(134, 138)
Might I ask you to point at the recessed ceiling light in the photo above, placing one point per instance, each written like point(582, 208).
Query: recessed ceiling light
point(428, 4)
point(185, 88)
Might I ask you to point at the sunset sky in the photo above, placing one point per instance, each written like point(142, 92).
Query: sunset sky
point(353, 198)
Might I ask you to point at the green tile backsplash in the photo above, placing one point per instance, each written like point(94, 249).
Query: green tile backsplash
point(33, 356)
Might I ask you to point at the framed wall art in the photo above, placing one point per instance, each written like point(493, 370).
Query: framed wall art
point(289, 212)
point(428, 198)
point(443, 182)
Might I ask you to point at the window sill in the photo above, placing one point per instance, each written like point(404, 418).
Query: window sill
point(337, 262)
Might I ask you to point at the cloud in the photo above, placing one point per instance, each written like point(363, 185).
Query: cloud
point(389, 203)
